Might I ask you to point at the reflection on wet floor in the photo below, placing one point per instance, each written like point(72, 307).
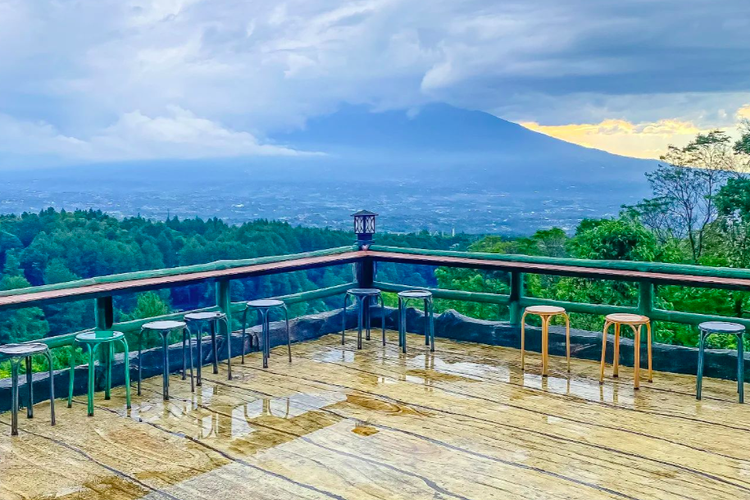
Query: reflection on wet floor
point(463, 422)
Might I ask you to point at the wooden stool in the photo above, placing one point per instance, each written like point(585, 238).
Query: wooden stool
point(546, 313)
point(635, 322)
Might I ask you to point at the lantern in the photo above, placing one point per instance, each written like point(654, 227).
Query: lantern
point(364, 225)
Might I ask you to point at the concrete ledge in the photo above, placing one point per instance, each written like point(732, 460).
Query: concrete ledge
point(720, 363)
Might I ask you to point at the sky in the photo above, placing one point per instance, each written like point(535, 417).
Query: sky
point(117, 80)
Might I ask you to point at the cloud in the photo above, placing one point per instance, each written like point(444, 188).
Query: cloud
point(85, 71)
point(135, 136)
point(641, 140)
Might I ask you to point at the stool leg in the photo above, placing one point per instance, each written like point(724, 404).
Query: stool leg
point(199, 348)
point(229, 347)
point(400, 321)
point(140, 360)
point(184, 355)
point(650, 358)
point(186, 333)
point(126, 358)
point(545, 345)
point(244, 327)
point(367, 302)
point(343, 321)
point(48, 355)
point(90, 391)
point(165, 367)
point(604, 351)
point(741, 367)
point(29, 388)
point(360, 321)
point(426, 320)
point(637, 357)
point(14, 397)
point(523, 341)
point(382, 315)
point(71, 378)
point(567, 339)
point(288, 335)
point(109, 354)
point(699, 378)
point(432, 328)
point(214, 348)
point(264, 335)
point(616, 356)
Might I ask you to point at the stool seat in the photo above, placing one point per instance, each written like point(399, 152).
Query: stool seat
point(203, 316)
point(721, 327)
point(545, 310)
point(91, 337)
point(415, 294)
point(27, 349)
point(265, 303)
point(363, 291)
point(627, 319)
point(164, 325)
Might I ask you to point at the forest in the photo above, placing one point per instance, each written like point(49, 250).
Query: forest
point(699, 214)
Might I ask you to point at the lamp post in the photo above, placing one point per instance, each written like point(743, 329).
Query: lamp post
point(364, 228)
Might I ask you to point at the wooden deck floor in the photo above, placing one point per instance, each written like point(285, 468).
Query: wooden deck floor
point(341, 424)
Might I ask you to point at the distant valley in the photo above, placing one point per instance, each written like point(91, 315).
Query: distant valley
point(441, 169)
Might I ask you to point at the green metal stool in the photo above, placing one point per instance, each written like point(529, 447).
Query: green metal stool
point(196, 322)
point(364, 298)
point(264, 307)
point(163, 328)
point(92, 341)
point(16, 353)
point(723, 328)
point(429, 328)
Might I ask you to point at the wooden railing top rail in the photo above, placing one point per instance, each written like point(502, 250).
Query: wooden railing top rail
point(697, 276)
point(678, 274)
point(179, 276)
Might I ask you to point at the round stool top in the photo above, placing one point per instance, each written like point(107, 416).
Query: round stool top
point(265, 303)
point(721, 327)
point(415, 294)
point(203, 316)
point(164, 325)
point(545, 310)
point(363, 291)
point(91, 337)
point(25, 349)
point(627, 318)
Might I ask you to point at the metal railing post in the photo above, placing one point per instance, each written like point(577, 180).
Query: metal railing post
point(516, 292)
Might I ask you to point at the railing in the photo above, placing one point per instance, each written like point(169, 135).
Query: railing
point(646, 275)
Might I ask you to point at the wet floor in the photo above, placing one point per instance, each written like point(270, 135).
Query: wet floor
point(338, 423)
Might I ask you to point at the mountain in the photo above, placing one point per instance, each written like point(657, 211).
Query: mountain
point(438, 168)
point(438, 136)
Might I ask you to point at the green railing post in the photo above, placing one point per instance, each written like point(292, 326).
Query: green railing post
point(516, 292)
point(224, 299)
point(104, 314)
point(645, 298)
